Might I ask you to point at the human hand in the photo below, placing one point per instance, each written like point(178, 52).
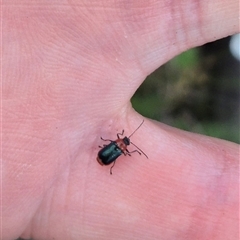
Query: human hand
point(69, 70)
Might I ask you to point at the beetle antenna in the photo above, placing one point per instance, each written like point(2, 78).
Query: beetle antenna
point(136, 129)
point(140, 150)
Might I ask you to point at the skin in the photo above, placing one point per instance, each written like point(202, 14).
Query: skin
point(69, 71)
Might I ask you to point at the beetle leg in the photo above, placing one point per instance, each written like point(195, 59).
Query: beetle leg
point(112, 167)
point(129, 153)
point(104, 145)
point(106, 139)
point(120, 134)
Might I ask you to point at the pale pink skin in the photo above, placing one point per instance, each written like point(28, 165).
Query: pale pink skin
point(69, 71)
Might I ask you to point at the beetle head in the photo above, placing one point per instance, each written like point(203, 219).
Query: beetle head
point(126, 140)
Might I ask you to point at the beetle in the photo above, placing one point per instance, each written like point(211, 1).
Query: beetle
point(110, 152)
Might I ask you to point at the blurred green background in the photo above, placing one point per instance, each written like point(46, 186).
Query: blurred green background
point(197, 91)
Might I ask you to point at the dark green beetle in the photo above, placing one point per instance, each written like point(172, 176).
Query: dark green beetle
point(109, 153)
